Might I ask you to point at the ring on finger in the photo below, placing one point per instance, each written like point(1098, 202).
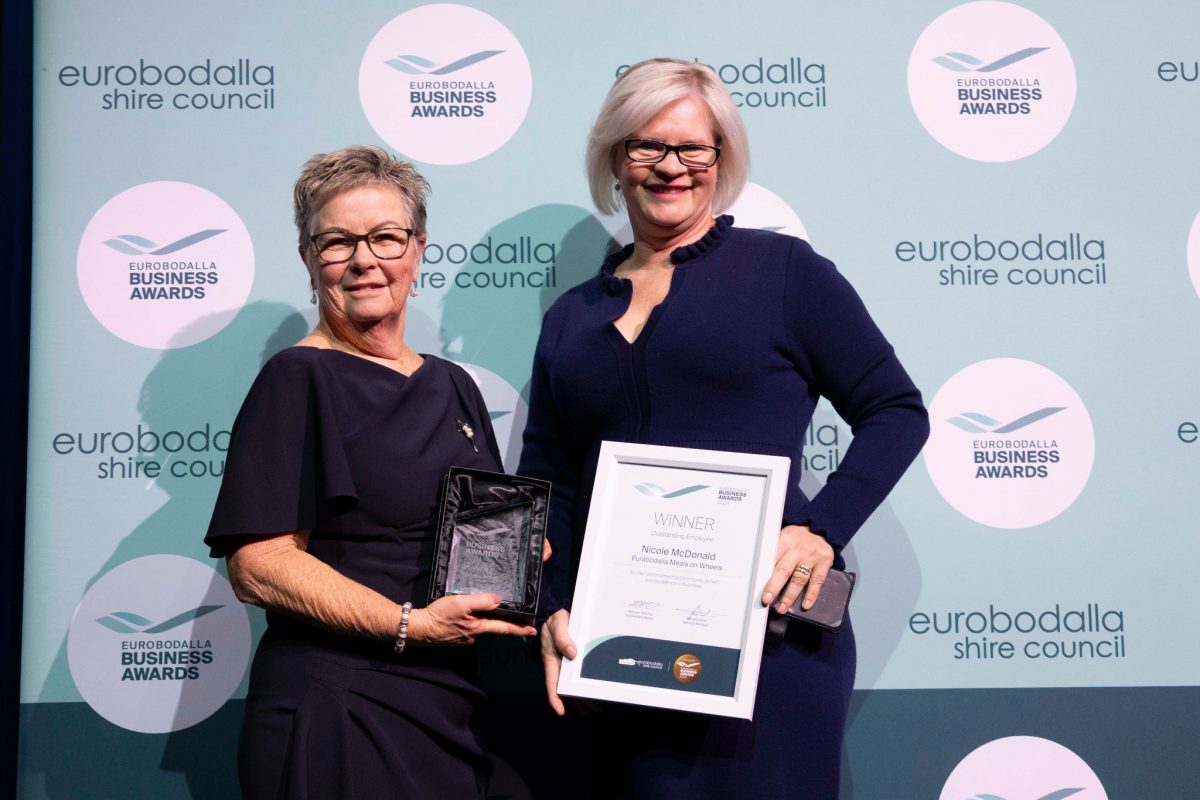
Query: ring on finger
point(802, 571)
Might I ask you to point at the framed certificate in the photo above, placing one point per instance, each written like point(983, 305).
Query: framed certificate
point(678, 547)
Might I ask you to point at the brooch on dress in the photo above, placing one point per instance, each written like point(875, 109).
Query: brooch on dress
point(469, 432)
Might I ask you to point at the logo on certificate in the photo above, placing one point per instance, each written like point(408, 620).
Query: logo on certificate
point(686, 668)
point(730, 494)
point(639, 662)
point(654, 490)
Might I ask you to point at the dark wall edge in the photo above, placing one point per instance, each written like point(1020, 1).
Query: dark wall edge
point(16, 210)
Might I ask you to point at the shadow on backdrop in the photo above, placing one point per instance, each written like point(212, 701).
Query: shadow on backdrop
point(889, 576)
point(491, 316)
point(562, 245)
point(69, 752)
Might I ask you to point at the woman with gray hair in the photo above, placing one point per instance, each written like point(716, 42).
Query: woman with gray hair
point(326, 516)
point(700, 334)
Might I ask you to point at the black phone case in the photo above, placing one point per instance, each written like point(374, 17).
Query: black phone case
point(829, 612)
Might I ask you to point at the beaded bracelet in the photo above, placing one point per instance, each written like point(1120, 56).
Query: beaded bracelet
point(402, 636)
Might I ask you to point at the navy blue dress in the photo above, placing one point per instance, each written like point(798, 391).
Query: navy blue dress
point(354, 452)
point(755, 329)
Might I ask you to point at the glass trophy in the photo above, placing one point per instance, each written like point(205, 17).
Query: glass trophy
point(489, 539)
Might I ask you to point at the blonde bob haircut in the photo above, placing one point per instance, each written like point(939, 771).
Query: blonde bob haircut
point(636, 97)
point(328, 174)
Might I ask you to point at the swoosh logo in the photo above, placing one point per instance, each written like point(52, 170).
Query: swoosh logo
point(141, 246)
point(654, 490)
point(974, 422)
point(965, 62)
point(418, 65)
point(1057, 794)
point(127, 622)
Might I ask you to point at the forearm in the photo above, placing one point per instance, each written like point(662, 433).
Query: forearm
point(279, 575)
point(869, 470)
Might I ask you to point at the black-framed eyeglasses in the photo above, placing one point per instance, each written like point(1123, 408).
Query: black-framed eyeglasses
point(690, 154)
point(335, 247)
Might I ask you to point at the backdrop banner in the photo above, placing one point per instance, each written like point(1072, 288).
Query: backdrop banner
point(1012, 188)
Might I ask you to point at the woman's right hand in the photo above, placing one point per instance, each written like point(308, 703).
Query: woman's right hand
point(556, 644)
point(454, 620)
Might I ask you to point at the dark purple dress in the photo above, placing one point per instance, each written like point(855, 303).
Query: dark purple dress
point(354, 452)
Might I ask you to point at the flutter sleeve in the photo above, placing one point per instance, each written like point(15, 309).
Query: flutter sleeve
point(546, 454)
point(286, 469)
point(842, 354)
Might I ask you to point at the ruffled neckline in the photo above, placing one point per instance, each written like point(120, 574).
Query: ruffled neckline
point(712, 238)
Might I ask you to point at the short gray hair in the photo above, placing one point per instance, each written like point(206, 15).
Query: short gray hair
point(638, 95)
point(327, 174)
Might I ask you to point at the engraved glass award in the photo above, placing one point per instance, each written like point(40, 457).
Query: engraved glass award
point(490, 537)
point(487, 551)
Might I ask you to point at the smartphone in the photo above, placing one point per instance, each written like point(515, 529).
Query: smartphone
point(829, 612)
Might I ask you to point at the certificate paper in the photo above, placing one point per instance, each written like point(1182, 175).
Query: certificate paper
point(678, 548)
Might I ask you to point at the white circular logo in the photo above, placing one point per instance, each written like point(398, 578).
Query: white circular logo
point(507, 408)
point(1011, 443)
point(1193, 254)
point(165, 264)
point(158, 644)
point(757, 207)
point(991, 81)
point(445, 84)
point(1022, 768)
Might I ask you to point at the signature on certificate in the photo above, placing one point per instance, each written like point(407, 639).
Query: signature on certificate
point(644, 605)
point(698, 613)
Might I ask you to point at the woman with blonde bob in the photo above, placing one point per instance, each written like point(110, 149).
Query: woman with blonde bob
point(701, 334)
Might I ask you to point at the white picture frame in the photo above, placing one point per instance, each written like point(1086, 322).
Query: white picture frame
point(667, 607)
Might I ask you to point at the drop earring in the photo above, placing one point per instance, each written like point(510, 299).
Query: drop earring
point(312, 298)
point(412, 290)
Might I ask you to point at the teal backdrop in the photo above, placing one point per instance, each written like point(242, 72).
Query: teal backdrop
point(1011, 188)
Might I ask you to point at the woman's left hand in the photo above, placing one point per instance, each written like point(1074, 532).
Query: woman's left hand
point(802, 560)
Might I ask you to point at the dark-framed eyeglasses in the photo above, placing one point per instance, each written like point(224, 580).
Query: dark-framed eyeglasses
point(690, 154)
point(335, 247)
